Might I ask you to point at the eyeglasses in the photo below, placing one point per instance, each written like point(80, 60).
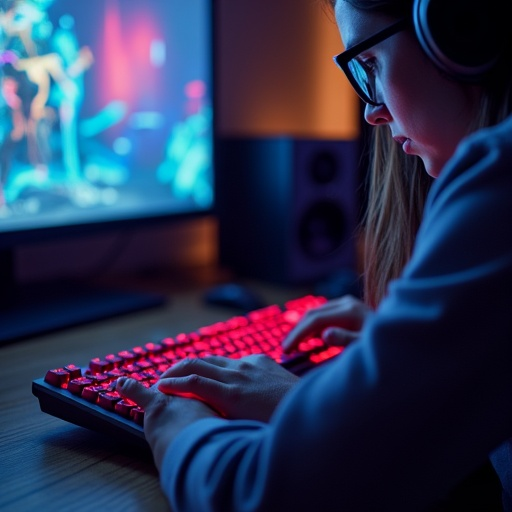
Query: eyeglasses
point(360, 74)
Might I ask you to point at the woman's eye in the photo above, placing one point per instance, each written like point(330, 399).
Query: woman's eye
point(369, 65)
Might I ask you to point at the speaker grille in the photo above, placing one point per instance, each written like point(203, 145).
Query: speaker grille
point(322, 230)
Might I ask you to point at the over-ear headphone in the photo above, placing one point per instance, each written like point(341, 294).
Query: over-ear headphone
point(463, 38)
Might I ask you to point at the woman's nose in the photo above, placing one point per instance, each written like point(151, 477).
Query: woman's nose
point(376, 115)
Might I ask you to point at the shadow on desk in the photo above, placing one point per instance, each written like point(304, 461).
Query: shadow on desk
point(80, 442)
point(71, 468)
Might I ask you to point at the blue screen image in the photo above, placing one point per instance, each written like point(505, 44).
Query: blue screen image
point(105, 111)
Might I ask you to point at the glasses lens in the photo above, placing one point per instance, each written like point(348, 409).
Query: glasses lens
point(364, 79)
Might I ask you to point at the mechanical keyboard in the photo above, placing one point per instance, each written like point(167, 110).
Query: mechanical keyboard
point(87, 396)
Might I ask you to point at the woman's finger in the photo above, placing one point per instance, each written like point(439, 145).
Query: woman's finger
point(194, 386)
point(346, 313)
point(209, 367)
point(338, 337)
point(135, 391)
point(311, 324)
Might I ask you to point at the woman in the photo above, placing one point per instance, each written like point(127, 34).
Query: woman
point(399, 182)
point(423, 397)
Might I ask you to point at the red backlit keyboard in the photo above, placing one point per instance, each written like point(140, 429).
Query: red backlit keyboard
point(86, 396)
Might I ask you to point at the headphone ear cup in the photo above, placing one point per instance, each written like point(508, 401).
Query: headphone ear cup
point(461, 37)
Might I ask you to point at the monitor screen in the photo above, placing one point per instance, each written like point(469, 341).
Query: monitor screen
point(106, 112)
point(106, 120)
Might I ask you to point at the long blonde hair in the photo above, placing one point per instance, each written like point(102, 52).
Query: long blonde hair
point(397, 189)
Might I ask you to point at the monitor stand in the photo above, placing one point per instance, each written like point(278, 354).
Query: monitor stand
point(35, 309)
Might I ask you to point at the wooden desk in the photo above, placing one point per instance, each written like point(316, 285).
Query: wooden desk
point(48, 464)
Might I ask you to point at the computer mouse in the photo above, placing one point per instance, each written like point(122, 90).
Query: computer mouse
point(234, 295)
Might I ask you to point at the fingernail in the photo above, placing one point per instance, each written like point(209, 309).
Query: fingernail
point(121, 382)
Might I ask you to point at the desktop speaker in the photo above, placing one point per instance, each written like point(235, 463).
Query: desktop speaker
point(287, 208)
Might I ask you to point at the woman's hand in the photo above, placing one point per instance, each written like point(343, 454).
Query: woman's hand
point(247, 388)
point(164, 416)
point(338, 322)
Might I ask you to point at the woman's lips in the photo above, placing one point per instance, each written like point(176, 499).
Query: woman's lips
point(405, 143)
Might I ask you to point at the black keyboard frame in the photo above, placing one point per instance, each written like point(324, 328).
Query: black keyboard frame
point(74, 409)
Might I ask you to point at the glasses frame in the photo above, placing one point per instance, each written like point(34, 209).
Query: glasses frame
point(345, 57)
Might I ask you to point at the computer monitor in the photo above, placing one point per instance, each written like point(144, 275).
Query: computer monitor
point(106, 120)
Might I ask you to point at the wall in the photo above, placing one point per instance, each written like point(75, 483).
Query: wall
point(275, 71)
point(275, 76)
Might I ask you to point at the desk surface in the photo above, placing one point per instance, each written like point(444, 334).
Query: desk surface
point(49, 464)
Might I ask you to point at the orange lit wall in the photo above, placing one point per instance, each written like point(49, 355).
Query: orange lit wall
point(275, 74)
